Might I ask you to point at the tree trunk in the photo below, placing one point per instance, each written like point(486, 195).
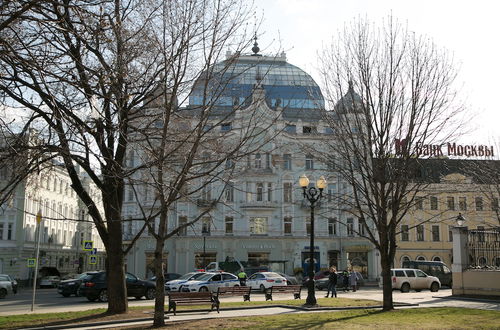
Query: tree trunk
point(159, 315)
point(115, 267)
point(385, 261)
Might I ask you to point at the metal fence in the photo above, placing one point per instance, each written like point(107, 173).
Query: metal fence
point(484, 249)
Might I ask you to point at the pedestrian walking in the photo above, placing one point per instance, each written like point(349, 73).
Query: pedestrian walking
point(345, 280)
point(353, 280)
point(242, 276)
point(332, 283)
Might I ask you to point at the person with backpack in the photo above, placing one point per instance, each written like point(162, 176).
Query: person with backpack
point(332, 283)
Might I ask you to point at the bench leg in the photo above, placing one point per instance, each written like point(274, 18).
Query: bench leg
point(172, 306)
point(296, 295)
point(269, 296)
point(216, 305)
point(246, 297)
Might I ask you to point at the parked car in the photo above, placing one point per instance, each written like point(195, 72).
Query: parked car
point(177, 284)
point(264, 280)
point(210, 282)
point(252, 270)
point(168, 277)
point(49, 281)
point(433, 268)
point(5, 286)
point(94, 286)
point(70, 286)
point(406, 279)
point(290, 280)
point(12, 281)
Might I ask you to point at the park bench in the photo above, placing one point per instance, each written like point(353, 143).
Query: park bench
point(191, 298)
point(234, 291)
point(295, 289)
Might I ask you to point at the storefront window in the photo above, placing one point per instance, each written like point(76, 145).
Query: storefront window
point(256, 259)
point(209, 257)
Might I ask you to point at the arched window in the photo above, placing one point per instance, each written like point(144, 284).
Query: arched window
point(436, 258)
point(421, 258)
point(404, 258)
point(497, 262)
point(481, 261)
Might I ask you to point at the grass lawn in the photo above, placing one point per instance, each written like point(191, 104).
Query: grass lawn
point(414, 318)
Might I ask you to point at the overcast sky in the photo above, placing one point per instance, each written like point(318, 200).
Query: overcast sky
point(467, 29)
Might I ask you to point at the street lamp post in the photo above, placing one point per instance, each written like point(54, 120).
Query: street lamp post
point(204, 233)
point(313, 195)
point(460, 220)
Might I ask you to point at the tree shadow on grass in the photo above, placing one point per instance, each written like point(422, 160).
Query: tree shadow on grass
point(320, 323)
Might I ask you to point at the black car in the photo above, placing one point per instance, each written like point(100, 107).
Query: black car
point(94, 286)
point(71, 286)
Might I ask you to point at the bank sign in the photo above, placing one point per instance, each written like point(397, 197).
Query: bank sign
point(446, 149)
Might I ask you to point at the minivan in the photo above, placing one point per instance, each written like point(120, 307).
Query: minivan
point(434, 268)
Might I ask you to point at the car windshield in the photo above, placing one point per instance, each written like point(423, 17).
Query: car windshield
point(205, 277)
point(187, 276)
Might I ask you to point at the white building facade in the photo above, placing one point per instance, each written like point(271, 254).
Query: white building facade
point(262, 218)
point(63, 229)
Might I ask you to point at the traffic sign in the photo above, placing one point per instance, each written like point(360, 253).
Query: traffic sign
point(93, 251)
point(39, 217)
point(31, 262)
point(88, 245)
point(92, 260)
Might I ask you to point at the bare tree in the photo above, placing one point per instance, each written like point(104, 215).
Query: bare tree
point(178, 152)
point(385, 85)
point(84, 73)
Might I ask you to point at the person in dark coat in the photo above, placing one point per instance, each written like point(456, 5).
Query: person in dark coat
point(332, 283)
point(345, 280)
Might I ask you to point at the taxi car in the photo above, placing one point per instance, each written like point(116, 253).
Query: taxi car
point(264, 280)
point(211, 282)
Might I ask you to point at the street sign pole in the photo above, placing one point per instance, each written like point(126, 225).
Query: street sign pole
point(39, 221)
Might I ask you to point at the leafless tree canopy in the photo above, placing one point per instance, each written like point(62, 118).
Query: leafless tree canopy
point(84, 75)
point(385, 84)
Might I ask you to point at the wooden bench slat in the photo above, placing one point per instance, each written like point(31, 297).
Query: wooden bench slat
point(295, 289)
point(191, 298)
point(235, 291)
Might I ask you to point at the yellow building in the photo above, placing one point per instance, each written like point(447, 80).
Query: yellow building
point(452, 186)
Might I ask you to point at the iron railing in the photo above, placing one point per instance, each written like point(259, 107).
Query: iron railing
point(484, 249)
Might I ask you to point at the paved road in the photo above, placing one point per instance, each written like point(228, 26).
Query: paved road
point(48, 300)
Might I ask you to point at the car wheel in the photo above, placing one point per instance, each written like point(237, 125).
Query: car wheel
point(180, 288)
point(418, 290)
point(203, 289)
point(434, 287)
point(150, 293)
point(405, 287)
point(65, 295)
point(262, 288)
point(3, 293)
point(103, 295)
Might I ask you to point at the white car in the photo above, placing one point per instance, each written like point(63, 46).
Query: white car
point(264, 280)
point(210, 282)
point(406, 279)
point(176, 285)
point(5, 286)
point(49, 281)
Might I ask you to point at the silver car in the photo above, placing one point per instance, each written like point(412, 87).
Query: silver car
point(5, 286)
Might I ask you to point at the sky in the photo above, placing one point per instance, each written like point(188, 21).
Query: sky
point(469, 30)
